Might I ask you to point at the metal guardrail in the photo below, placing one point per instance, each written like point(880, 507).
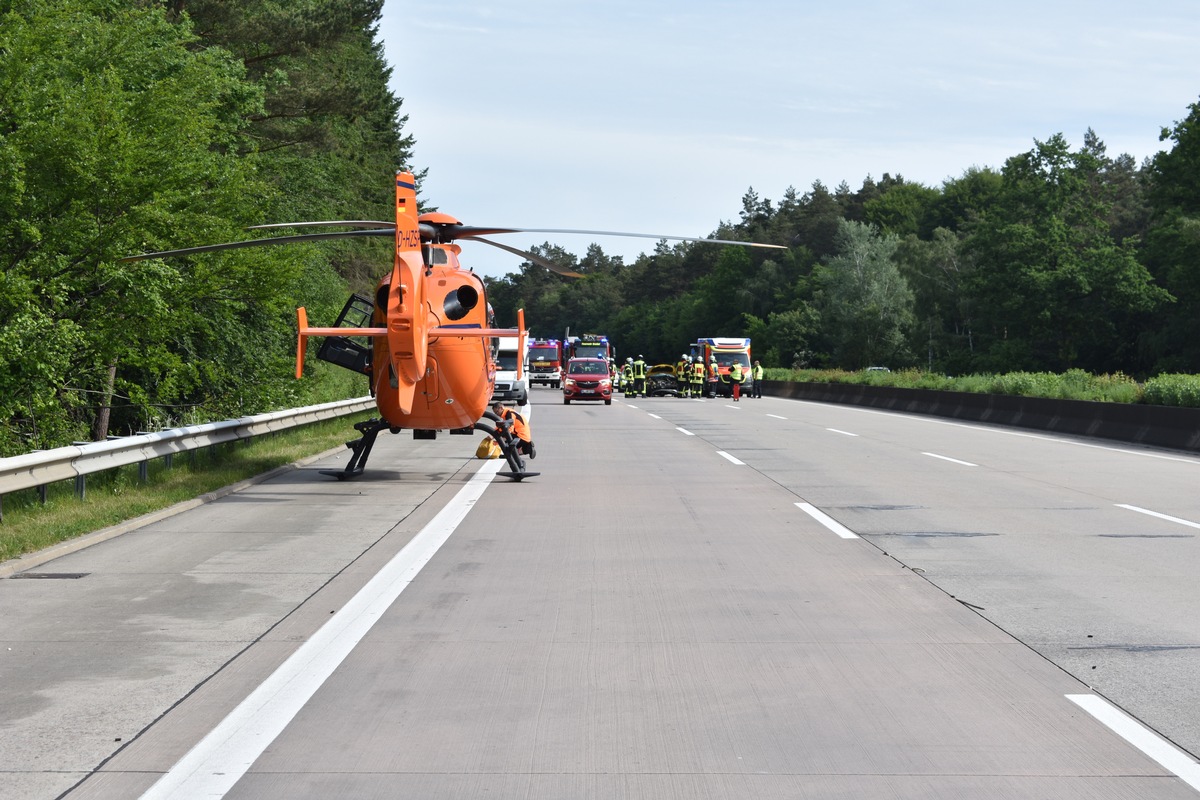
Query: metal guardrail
point(66, 463)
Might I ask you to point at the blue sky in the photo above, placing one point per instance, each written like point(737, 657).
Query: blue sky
point(657, 117)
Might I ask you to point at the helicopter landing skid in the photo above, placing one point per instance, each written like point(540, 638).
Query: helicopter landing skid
point(517, 476)
point(369, 429)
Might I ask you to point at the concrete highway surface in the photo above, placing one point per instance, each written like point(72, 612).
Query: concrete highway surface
point(694, 599)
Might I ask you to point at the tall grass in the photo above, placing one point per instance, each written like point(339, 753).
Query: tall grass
point(1075, 384)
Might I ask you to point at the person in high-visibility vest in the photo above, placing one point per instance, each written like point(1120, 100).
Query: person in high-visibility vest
point(697, 377)
point(757, 374)
point(735, 381)
point(681, 378)
point(639, 377)
point(627, 376)
point(714, 377)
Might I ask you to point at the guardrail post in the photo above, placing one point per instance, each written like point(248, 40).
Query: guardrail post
point(143, 471)
point(81, 487)
point(43, 492)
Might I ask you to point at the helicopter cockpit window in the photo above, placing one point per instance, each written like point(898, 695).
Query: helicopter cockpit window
point(438, 256)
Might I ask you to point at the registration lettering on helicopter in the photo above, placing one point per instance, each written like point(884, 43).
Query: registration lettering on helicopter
point(409, 239)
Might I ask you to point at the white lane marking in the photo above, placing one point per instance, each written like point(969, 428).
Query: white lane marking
point(1166, 754)
point(739, 408)
point(826, 520)
point(843, 433)
point(984, 427)
point(220, 759)
point(631, 405)
point(654, 416)
point(730, 458)
point(1160, 516)
point(685, 431)
point(951, 460)
point(776, 416)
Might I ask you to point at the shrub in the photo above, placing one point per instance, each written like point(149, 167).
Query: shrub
point(1173, 390)
point(1074, 384)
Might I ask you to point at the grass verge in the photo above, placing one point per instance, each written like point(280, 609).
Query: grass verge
point(118, 495)
point(1074, 384)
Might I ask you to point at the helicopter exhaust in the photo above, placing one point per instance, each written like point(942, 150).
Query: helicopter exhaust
point(460, 302)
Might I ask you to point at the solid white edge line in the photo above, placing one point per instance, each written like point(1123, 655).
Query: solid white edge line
point(951, 460)
point(843, 433)
point(653, 416)
point(776, 416)
point(730, 458)
point(826, 520)
point(1168, 756)
point(1160, 516)
point(226, 753)
point(685, 431)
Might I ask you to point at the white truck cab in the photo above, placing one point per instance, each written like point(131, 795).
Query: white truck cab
point(511, 372)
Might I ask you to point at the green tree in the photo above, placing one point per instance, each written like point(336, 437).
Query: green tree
point(902, 208)
point(1172, 248)
point(1052, 290)
point(936, 271)
point(865, 303)
point(963, 200)
point(116, 136)
point(785, 338)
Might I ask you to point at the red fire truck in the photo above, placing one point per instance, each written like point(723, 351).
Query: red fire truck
point(546, 362)
point(591, 345)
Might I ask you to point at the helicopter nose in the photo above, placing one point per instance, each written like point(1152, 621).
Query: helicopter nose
point(460, 301)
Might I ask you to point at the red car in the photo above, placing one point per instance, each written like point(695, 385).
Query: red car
point(587, 379)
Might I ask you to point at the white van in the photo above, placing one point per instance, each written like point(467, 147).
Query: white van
point(509, 387)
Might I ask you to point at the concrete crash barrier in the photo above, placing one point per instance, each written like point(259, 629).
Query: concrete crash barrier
point(1159, 426)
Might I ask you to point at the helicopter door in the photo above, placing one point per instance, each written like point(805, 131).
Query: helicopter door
point(353, 353)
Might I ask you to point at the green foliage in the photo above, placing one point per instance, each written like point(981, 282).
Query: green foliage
point(865, 303)
point(131, 127)
point(1070, 385)
point(1173, 390)
point(1172, 248)
point(1051, 286)
point(902, 209)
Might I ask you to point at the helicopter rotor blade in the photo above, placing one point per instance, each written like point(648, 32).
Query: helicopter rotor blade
point(345, 223)
point(449, 233)
point(305, 237)
point(650, 236)
point(536, 259)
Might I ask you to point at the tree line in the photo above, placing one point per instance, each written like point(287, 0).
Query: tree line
point(1061, 259)
point(129, 126)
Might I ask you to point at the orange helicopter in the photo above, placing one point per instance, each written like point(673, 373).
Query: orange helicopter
point(431, 365)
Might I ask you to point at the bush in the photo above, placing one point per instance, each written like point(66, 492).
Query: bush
point(1173, 390)
point(1073, 384)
